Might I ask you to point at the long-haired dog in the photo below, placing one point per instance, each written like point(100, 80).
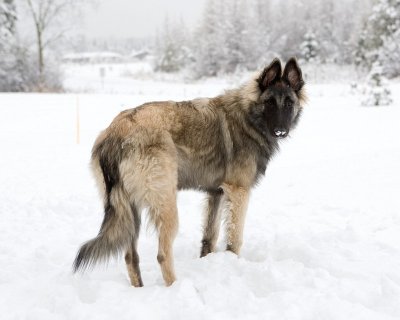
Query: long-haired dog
point(218, 145)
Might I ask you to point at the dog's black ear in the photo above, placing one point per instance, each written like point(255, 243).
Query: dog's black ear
point(270, 74)
point(292, 75)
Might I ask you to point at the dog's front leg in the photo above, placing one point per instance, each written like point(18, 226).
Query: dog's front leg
point(212, 222)
point(237, 198)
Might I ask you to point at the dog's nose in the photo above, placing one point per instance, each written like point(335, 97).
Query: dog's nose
point(280, 133)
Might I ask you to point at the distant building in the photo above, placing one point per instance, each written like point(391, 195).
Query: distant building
point(139, 55)
point(93, 57)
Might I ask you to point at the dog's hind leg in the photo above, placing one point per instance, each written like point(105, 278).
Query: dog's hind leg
point(151, 178)
point(131, 256)
point(237, 198)
point(212, 222)
point(167, 225)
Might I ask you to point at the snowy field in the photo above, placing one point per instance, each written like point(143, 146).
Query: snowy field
point(322, 235)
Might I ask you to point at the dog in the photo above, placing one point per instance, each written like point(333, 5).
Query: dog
point(218, 145)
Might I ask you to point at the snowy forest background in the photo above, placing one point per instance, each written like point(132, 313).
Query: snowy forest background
point(231, 37)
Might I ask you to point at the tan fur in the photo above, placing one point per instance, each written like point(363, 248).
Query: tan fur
point(96, 170)
point(132, 264)
point(237, 198)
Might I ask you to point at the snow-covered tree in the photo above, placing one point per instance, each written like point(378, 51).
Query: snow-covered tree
point(245, 34)
point(171, 50)
point(236, 34)
point(309, 47)
point(361, 51)
point(208, 41)
point(381, 25)
point(224, 41)
point(377, 92)
point(8, 18)
point(384, 21)
point(15, 69)
point(259, 33)
point(10, 79)
point(51, 20)
point(389, 55)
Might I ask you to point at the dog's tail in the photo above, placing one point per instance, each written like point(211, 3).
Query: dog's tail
point(117, 229)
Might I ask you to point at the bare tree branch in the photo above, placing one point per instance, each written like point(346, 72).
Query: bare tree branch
point(58, 36)
point(33, 12)
point(44, 14)
point(47, 9)
point(47, 20)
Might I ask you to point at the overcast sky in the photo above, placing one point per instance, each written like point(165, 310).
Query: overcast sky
point(137, 18)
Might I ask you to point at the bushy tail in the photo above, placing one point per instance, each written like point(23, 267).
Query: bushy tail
point(117, 229)
point(115, 235)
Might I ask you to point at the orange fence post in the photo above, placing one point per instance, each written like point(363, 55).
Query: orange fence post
point(78, 125)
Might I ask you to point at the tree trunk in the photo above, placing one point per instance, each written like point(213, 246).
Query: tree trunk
point(40, 59)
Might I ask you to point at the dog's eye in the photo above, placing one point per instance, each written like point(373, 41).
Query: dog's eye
point(270, 102)
point(288, 104)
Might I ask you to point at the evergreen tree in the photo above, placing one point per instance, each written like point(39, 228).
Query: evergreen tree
point(377, 92)
point(259, 33)
point(384, 21)
point(208, 41)
point(172, 51)
point(309, 47)
point(235, 36)
point(10, 79)
point(225, 41)
point(389, 55)
point(382, 24)
point(361, 50)
point(8, 19)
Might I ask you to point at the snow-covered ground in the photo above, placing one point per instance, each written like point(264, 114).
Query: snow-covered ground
point(322, 235)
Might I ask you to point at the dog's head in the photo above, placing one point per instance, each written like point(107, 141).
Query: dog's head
point(281, 98)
